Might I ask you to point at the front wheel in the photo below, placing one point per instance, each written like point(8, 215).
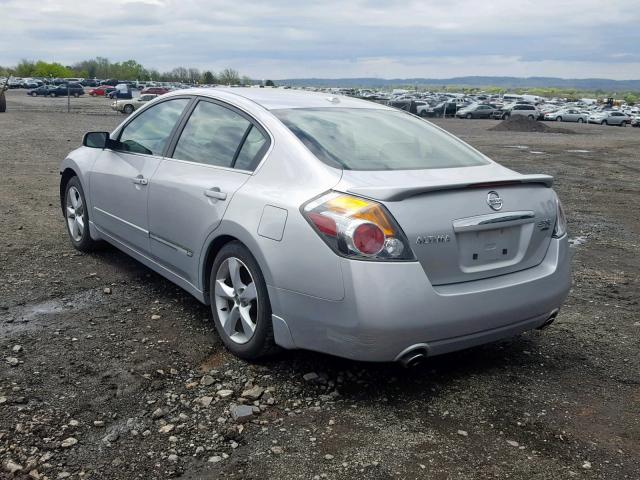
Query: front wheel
point(558, 119)
point(76, 216)
point(469, 116)
point(128, 109)
point(240, 303)
point(531, 117)
point(34, 94)
point(580, 120)
point(604, 122)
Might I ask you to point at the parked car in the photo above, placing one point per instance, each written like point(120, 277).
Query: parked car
point(635, 121)
point(567, 115)
point(44, 90)
point(442, 108)
point(155, 90)
point(610, 117)
point(101, 91)
point(129, 106)
point(62, 90)
point(344, 227)
point(124, 94)
point(476, 110)
point(525, 110)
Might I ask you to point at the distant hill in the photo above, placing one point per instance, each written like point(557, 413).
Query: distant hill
point(591, 84)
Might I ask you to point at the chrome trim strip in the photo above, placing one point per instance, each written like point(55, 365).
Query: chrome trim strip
point(172, 245)
point(485, 222)
point(146, 232)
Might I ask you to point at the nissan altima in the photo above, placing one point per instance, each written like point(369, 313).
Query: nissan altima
point(322, 222)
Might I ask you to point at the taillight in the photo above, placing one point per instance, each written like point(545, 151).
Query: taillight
point(560, 227)
point(357, 228)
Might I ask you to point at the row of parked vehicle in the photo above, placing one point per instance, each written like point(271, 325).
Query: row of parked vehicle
point(473, 107)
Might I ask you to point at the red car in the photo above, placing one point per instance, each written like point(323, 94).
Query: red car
point(155, 90)
point(102, 90)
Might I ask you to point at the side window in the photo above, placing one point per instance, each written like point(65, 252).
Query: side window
point(149, 132)
point(212, 135)
point(251, 151)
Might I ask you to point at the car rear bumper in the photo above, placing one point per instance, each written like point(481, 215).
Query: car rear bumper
point(390, 307)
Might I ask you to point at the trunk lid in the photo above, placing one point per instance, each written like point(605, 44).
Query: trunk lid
point(469, 225)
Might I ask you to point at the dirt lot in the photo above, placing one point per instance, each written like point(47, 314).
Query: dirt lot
point(135, 384)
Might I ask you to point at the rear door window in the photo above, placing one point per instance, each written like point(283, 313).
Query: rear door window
point(212, 135)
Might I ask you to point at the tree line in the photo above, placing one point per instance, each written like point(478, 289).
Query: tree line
point(103, 68)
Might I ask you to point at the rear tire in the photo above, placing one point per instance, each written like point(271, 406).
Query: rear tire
point(531, 117)
point(34, 94)
point(604, 122)
point(558, 119)
point(580, 120)
point(240, 303)
point(128, 109)
point(469, 116)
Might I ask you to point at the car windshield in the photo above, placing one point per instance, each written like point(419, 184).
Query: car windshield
point(376, 139)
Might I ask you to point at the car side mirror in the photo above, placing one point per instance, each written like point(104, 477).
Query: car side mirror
point(96, 139)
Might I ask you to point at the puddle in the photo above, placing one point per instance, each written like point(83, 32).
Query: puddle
point(535, 152)
point(577, 241)
point(579, 151)
point(519, 147)
point(23, 318)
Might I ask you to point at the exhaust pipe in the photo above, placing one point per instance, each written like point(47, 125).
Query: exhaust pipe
point(550, 320)
point(413, 357)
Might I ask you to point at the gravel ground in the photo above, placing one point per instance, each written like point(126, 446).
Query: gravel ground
point(111, 372)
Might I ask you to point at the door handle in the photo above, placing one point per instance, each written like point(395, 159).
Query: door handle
point(140, 181)
point(215, 193)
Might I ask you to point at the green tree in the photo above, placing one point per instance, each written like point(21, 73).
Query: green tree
point(25, 68)
point(208, 78)
point(229, 76)
point(269, 83)
point(246, 81)
point(631, 98)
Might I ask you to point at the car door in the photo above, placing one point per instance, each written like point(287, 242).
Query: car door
point(211, 157)
point(120, 176)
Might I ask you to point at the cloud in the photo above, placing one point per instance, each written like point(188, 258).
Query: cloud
point(285, 38)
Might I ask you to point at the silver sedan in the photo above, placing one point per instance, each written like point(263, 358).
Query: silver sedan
point(323, 223)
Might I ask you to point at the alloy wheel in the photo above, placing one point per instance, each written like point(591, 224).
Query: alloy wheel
point(236, 300)
point(75, 214)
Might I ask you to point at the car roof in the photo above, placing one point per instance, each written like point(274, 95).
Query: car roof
point(278, 98)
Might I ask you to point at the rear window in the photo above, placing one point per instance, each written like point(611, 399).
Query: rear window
point(373, 139)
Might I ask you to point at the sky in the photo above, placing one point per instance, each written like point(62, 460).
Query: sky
point(277, 39)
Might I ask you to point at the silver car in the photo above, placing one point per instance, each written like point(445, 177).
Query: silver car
point(567, 115)
point(610, 117)
point(324, 223)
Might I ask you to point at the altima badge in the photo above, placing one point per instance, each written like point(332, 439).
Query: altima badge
point(428, 239)
point(494, 200)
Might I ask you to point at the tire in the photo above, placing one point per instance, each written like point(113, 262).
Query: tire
point(93, 94)
point(423, 113)
point(226, 299)
point(128, 109)
point(530, 117)
point(53, 94)
point(34, 94)
point(78, 230)
point(468, 116)
point(604, 122)
point(558, 119)
point(580, 120)
point(623, 124)
point(76, 94)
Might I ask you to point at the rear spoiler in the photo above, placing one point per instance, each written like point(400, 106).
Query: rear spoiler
point(397, 193)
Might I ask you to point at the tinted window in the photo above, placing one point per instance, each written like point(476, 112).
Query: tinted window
point(373, 139)
point(212, 135)
point(251, 150)
point(148, 132)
